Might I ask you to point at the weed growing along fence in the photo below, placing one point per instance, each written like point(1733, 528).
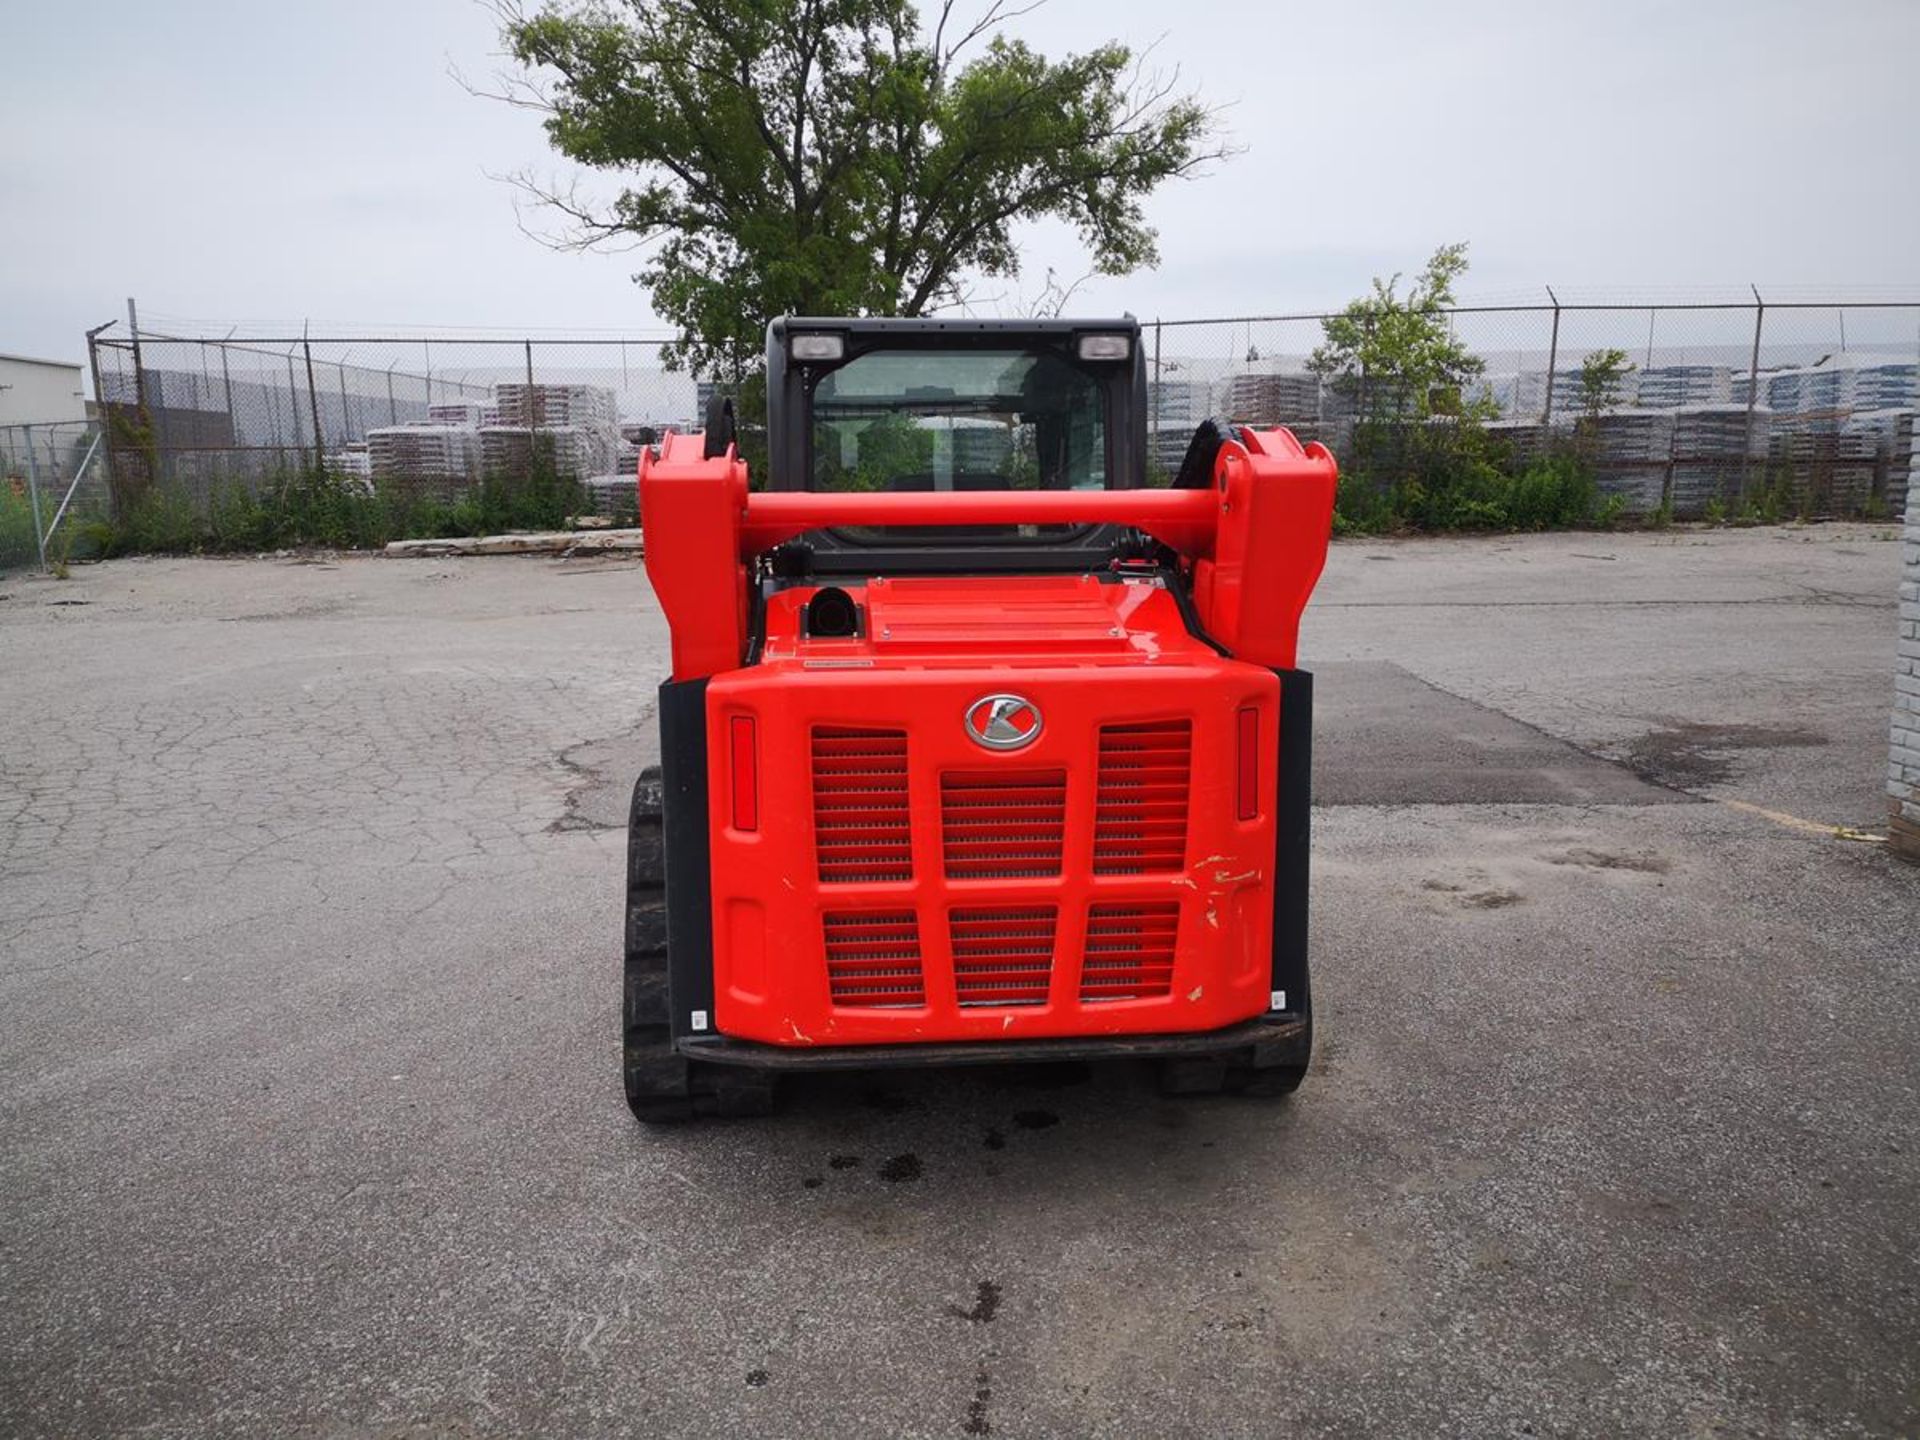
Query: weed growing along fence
point(18, 538)
point(317, 507)
point(1553, 415)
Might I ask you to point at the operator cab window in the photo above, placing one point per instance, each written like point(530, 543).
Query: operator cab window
point(936, 420)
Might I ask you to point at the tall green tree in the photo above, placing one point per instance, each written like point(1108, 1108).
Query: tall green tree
point(829, 157)
point(1398, 352)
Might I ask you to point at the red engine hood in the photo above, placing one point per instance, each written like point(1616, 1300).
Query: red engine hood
point(977, 621)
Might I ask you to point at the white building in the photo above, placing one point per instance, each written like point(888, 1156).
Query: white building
point(40, 392)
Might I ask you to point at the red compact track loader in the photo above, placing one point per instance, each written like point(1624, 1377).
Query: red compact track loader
point(977, 748)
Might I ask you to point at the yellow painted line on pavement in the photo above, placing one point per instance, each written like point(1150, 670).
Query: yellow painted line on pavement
point(1806, 827)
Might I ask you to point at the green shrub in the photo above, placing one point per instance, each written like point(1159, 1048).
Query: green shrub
point(1444, 478)
point(17, 544)
point(1771, 502)
point(160, 521)
point(324, 509)
point(1552, 493)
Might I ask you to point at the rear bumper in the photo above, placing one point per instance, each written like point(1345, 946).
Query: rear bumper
point(1269, 1040)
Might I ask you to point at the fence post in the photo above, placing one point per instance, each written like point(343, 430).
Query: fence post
point(533, 459)
point(1365, 349)
point(139, 370)
point(529, 348)
point(100, 403)
point(393, 412)
point(346, 410)
point(33, 496)
point(313, 403)
point(148, 472)
point(1753, 393)
point(1154, 401)
point(1553, 363)
point(293, 405)
point(226, 394)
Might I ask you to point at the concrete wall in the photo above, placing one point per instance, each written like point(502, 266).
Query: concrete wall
point(35, 392)
point(1903, 777)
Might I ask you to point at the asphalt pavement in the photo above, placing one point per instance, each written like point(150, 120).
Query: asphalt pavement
point(310, 1121)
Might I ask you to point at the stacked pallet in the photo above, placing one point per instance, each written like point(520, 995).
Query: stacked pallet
point(1522, 395)
point(1807, 391)
point(577, 451)
point(1570, 397)
point(1175, 409)
point(615, 494)
point(1715, 447)
point(1891, 386)
point(462, 413)
point(1892, 434)
point(1517, 394)
point(1633, 449)
point(428, 460)
point(552, 406)
point(1666, 387)
point(1271, 398)
point(351, 461)
point(1524, 440)
point(576, 424)
point(1831, 469)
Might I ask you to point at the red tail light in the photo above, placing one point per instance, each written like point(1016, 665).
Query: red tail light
point(1249, 763)
point(746, 774)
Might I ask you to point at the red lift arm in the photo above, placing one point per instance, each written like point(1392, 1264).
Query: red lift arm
point(1256, 541)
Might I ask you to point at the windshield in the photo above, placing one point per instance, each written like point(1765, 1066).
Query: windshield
point(919, 419)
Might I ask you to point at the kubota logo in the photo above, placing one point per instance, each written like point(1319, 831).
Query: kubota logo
point(1003, 722)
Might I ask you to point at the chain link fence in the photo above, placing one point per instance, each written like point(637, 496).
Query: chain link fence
point(1708, 409)
point(48, 474)
point(1802, 408)
point(431, 417)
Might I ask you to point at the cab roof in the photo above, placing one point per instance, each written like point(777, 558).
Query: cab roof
point(874, 325)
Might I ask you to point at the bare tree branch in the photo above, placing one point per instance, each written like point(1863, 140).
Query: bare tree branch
point(1052, 301)
point(996, 16)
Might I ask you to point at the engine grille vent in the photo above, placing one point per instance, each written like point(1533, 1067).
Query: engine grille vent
point(873, 959)
point(1129, 951)
point(860, 824)
point(1140, 815)
point(1003, 824)
point(1002, 956)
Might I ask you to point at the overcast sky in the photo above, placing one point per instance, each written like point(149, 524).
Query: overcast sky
point(260, 161)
